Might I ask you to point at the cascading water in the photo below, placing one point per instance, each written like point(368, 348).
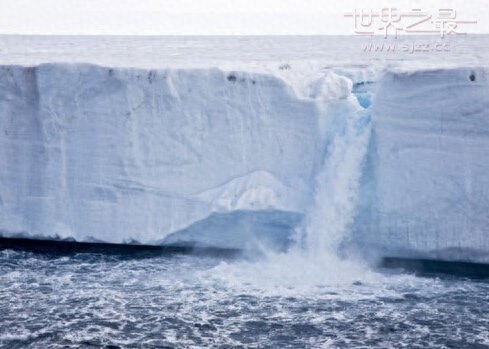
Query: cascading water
point(314, 261)
point(337, 185)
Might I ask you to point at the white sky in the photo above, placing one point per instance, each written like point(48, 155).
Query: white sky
point(175, 17)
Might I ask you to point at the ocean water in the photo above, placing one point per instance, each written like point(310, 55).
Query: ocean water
point(189, 301)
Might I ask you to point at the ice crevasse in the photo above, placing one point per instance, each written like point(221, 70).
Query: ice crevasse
point(235, 158)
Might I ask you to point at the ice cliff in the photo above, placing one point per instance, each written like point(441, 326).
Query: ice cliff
point(125, 154)
point(427, 185)
point(237, 158)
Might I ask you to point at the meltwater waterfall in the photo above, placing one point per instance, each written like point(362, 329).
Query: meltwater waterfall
point(317, 258)
point(337, 184)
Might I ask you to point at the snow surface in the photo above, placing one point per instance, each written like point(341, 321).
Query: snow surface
point(255, 143)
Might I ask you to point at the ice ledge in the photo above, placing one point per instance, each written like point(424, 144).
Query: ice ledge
point(139, 155)
point(425, 188)
point(120, 155)
point(241, 229)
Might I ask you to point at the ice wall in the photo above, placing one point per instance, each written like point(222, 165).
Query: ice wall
point(395, 164)
point(118, 155)
point(426, 189)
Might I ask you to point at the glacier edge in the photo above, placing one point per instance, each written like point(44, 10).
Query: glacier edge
point(117, 155)
point(123, 154)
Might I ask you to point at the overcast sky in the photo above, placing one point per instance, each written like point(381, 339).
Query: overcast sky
point(172, 17)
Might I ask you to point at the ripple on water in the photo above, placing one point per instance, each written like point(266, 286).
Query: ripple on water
point(93, 301)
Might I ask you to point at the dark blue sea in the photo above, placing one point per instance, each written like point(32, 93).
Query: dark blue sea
point(89, 300)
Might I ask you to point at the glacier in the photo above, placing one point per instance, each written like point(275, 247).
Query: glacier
point(246, 156)
point(427, 192)
point(120, 155)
